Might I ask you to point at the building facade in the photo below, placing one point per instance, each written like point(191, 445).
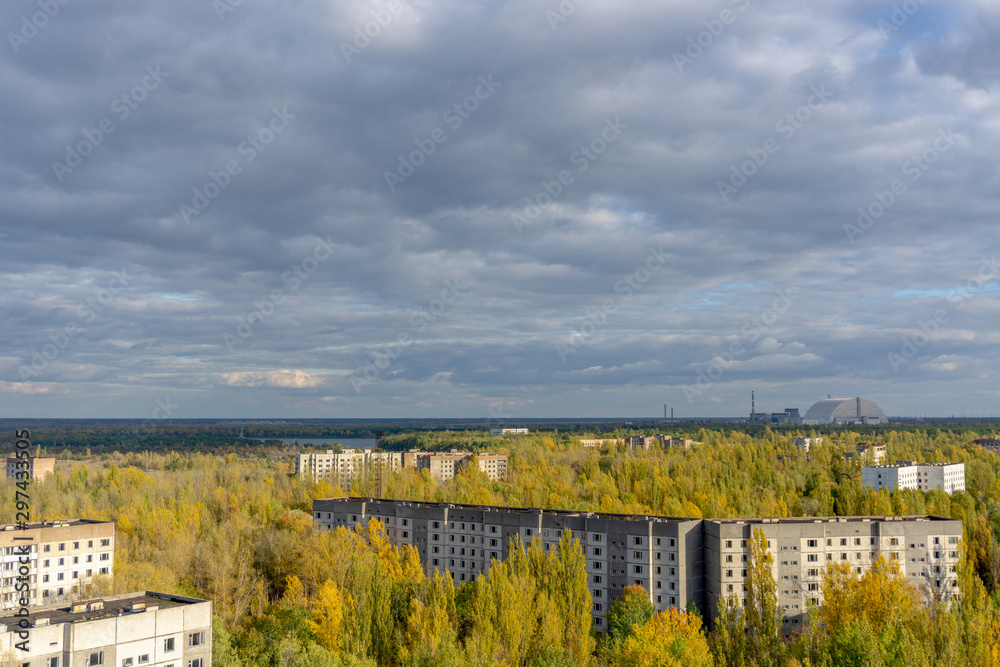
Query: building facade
point(151, 629)
point(508, 431)
point(62, 557)
point(925, 547)
point(990, 444)
point(38, 468)
point(947, 477)
point(346, 466)
point(661, 553)
point(676, 559)
point(805, 443)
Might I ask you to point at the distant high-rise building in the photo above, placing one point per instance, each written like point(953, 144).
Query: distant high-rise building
point(947, 477)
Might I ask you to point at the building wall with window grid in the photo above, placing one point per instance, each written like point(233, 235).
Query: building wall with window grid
point(661, 553)
point(167, 631)
point(63, 556)
point(925, 547)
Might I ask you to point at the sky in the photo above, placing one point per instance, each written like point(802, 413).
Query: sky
point(497, 208)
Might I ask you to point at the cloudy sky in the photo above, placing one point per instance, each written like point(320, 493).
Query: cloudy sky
point(497, 208)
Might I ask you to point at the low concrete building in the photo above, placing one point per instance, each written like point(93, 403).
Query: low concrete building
point(947, 477)
point(676, 559)
point(926, 548)
point(508, 431)
point(38, 468)
point(147, 628)
point(61, 557)
point(643, 442)
point(670, 442)
point(598, 443)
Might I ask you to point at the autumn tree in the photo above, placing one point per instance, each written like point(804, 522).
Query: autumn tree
point(629, 613)
point(671, 638)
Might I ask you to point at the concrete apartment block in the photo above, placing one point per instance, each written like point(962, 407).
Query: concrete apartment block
point(663, 554)
point(346, 466)
point(62, 555)
point(38, 468)
point(129, 630)
point(926, 548)
point(508, 431)
point(867, 454)
point(676, 559)
point(805, 443)
point(947, 477)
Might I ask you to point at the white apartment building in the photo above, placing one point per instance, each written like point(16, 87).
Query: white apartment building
point(62, 556)
point(948, 477)
point(805, 443)
point(138, 629)
point(346, 466)
point(38, 468)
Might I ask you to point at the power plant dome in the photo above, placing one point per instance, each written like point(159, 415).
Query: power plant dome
point(845, 411)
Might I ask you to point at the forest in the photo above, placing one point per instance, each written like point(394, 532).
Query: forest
point(235, 527)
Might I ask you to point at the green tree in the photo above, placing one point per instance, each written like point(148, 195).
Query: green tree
point(763, 616)
point(629, 613)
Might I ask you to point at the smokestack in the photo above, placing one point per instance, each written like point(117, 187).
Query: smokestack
point(753, 409)
point(859, 408)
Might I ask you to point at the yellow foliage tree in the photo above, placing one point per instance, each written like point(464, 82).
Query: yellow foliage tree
point(328, 612)
point(672, 638)
point(881, 595)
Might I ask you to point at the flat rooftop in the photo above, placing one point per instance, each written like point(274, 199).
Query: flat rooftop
point(99, 608)
point(510, 510)
point(54, 524)
point(913, 465)
point(835, 519)
point(638, 517)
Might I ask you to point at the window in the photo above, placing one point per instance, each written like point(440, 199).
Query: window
point(47, 548)
point(637, 541)
point(196, 639)
point(144, 658)
point(810, 543)
point(168, 644)
point(597, 578)
point(106, 542)
point(52, 662)
point(95, 658)
point(197, 662)
point(729, 544)
point(812, 558)
point(638, 569)
point(103, 557)
point(636, 554)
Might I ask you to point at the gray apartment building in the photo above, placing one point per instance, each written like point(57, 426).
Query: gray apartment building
point(675, 559)
point(926, 548)
point(661, 553)
point(145, 628)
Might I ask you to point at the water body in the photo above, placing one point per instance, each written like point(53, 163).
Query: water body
point(321, 443)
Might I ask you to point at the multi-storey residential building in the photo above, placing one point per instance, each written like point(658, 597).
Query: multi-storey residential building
point(991, 444)
point(345, 466)
point(643, 442)
point(947, 477)
point(152, 629)
point(867, 454)
point(663, 554)
point(62, 557)
point(925, 547)
point(444, 465)
point(670, 442)
point(805, 443)
point(598, 442)
point(38, 468)
point(676, 559)
point(508, 431)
